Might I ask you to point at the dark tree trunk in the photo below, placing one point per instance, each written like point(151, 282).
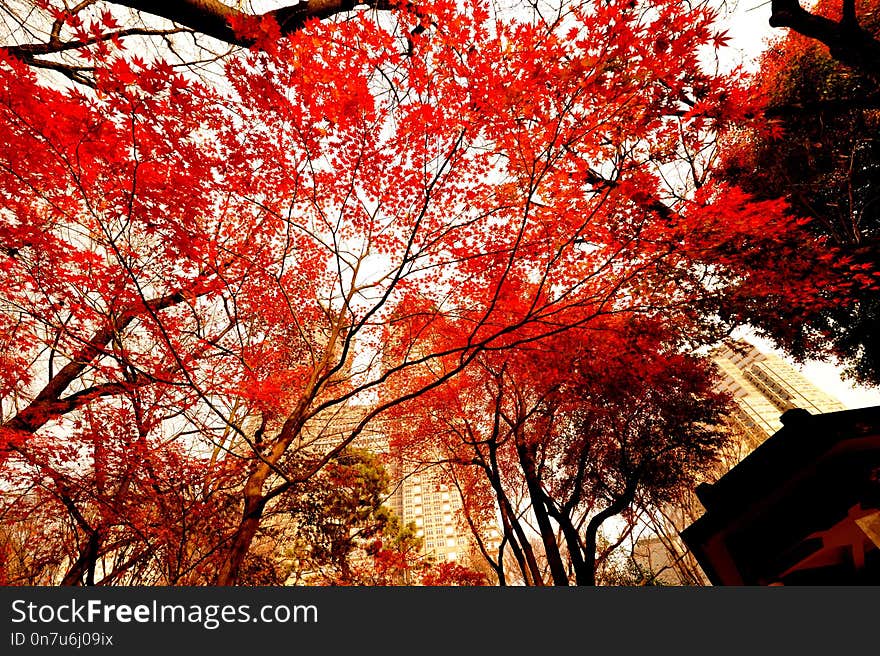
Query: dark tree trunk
point(548, 535)
point(587, 574)
point(242, 539)
point(84, 567)
point(846, 40)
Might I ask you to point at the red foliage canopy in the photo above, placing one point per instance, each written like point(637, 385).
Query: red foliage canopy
point(210, 275)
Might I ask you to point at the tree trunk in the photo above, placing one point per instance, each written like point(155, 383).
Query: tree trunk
point(241, 540)
point(587, 573)
point(519, 543)
point(572, 541)
point(254, 498)
point(548, 535)
point(85, 564)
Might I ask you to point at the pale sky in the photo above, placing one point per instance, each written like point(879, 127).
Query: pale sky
point(749, 29)
point(827, 377)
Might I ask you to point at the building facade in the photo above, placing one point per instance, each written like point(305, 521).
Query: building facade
point(420, 495)
point(764, 386)
point(426, 499)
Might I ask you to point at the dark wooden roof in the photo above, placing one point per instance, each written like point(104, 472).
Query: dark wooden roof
point(792, 508)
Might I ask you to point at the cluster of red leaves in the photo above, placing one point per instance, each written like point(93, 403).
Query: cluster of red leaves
point(212, 256)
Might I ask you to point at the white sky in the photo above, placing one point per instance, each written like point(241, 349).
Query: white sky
point(749, 29)
point(827, 377)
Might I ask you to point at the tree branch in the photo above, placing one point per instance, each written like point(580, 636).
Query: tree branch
point(28, 50)
point(48, 404)
point(214, 18)
point(846, 40)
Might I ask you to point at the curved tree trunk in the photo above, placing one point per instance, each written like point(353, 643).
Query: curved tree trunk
point(846, 40)
point(587, 574)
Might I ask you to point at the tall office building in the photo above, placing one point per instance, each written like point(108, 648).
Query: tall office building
point(423, 496)
point(764, 386)
point(433, 505)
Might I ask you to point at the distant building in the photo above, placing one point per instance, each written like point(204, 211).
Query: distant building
point(764, 386)
point(419, 495)
point(429, 501)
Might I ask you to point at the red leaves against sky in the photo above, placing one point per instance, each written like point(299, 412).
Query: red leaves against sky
point(341, 205)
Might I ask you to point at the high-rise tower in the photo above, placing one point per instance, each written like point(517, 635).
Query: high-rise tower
point(764, 386)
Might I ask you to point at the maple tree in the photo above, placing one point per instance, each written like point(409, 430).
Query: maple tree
point(202, 281)
point(562, 436)
point(813, 143)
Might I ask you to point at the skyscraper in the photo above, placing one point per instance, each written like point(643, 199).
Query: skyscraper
point(764, 386)
point(422, 495)
point(428, 501)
